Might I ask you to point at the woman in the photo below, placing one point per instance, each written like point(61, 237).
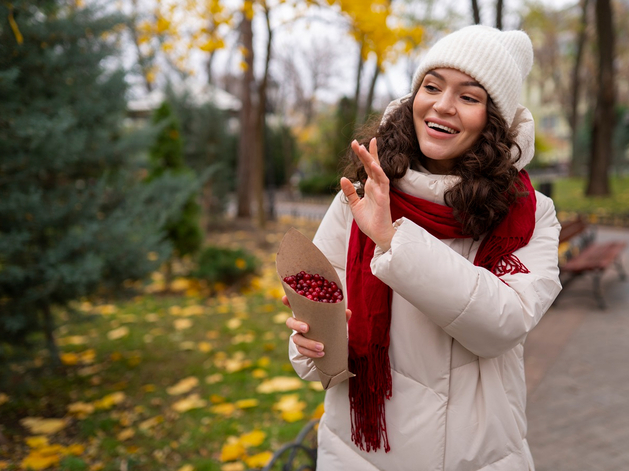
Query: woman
point(449, 259)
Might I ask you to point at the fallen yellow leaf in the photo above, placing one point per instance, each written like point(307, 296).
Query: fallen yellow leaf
point(37, 441)
point(4, 465)
point(318, 412)
point(194, 310)
point(243, 338)
point(180, 284)
point(187, 345)
point(110, 400)
point(232, 451)
point(193, 401)
point(107, 309)
point(125, 434)
point(226, 409)
point(204, 347)
point(315, 386)
point(235, 466)
point(186, 467)
point(182, 324)
point(289, 403)
point(69, 358)
point(281, 317)
point(76, 449)
point(3, 398)
point(259, 373)
point(215, 378)
point(150, 423)
point(254, 438)
point(233, 324)
point(264, 362)
point(260, 460)
point(36, 462)
point(216, 399)
point(118, 333)
point(280, 384)
point(80, 410)
point(247, 403)
point(292, 415)
point(183, 386)
point(72, 340)
point(40, 426)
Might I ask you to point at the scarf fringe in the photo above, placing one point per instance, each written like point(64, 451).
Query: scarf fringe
point(367, 393)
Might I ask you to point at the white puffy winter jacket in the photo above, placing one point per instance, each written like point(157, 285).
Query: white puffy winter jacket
point(457, 334)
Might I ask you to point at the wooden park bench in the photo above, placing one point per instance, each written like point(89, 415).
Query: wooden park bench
point(585, 255)
point(298, 455)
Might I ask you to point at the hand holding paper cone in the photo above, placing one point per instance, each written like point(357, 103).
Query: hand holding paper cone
point(326, 321)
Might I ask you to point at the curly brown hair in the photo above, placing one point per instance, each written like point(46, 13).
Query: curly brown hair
point(489, 181)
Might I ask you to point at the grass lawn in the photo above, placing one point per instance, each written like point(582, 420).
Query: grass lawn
point(569, 197)
point(163, 382)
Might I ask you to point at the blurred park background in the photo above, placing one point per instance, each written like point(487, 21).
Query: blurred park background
point(154, 152)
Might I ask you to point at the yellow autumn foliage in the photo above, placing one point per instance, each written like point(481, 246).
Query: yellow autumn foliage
point(232, 450)
point(184, 386)
point(41, 426)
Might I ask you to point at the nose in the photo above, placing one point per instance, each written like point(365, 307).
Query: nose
point(444, 104)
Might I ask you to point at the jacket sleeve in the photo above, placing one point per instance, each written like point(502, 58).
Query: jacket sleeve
point(331, 238)
point(486, 314)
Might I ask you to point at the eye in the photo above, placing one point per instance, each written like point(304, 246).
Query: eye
point(469, 99)
point(431, 88)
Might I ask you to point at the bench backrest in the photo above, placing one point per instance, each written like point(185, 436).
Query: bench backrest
point(572, 228)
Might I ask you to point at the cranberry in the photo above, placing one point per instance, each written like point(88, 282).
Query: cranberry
point(315, 287)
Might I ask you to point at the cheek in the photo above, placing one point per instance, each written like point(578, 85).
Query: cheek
point(477, 122)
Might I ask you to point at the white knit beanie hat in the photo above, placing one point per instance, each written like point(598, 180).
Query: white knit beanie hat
point(498, 60)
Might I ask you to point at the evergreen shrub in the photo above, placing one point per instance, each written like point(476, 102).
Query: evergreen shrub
point(224, 265)
point(323, 184)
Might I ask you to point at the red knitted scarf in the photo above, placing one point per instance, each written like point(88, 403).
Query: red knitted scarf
point(370, 299)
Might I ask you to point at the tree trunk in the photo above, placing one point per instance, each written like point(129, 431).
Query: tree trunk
point(247, 124)
point(142, 61)
point(499, 5)
point(49, 329)
point(603, 123)
point(372, 90)
point(260, 128)
point(209, 67)
point(476, 12)
point(359, 73)
point(573, 117)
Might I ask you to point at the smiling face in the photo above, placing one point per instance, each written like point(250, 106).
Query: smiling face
point(449, 113)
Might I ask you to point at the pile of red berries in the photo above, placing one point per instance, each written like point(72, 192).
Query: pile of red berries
point(315, 287)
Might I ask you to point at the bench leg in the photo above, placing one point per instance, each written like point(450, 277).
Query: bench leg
point(620, 269)
point(598, 292)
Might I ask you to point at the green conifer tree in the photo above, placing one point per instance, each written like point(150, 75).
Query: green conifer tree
point(74, 214)
point(166, 155)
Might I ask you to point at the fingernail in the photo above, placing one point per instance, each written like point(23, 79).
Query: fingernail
point(304, 329)
point(319, 347)
point(320, 354)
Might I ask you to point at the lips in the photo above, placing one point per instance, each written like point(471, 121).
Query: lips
point(441, 127)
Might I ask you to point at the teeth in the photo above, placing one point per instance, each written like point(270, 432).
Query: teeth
point(442, 127)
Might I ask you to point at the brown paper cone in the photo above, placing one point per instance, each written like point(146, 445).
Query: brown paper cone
point(327, 321)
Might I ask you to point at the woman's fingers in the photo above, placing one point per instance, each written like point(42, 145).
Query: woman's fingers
point(296, 325)
point(308, 347)
point(285, 301)
point(365, 157)
point(373, 149)
point(349, 191)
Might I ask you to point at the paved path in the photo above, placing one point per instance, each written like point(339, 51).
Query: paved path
point(577, 365)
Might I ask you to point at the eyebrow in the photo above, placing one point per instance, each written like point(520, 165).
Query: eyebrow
point(471, 83)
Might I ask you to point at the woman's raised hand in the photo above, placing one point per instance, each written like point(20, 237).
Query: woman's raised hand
point(372, 213)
